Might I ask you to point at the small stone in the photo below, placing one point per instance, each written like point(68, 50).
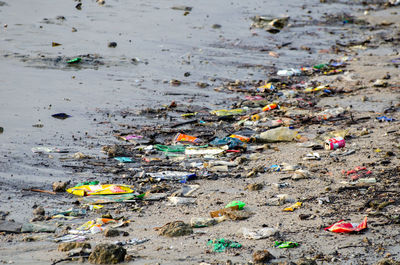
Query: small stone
point(254, 186)
point(110, 232)
point(107, 254)
point(112, 44)
point(59, 186)
point(38, 218)
point(176, 228)
point(216, 26)
point(305, 48)
point(175, 82)
point(380, 83)
point(29, 239)
point(39, 211)
point(64, 247)
point(107, 216)
point(202, 85)
point(273, 30)
point(82, 252)
point(173, 104)
point(182, 8)
point(262, 256)
point(366, 241)
point(304, 216)
point(3, 215)
point(387, 262)
point(238, 215)
point(305, 261)
point(279, 23)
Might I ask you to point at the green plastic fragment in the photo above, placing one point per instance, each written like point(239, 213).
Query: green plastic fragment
point(320, 66)
point(170, 148)
point(75, 60)
point(286, 244)
point(95, 182)
point(220, 245)
point(141, 196)
point(234, 203)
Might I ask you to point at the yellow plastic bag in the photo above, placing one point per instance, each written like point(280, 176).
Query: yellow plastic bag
point(107, 189)
point(224, 112)
point(293, 207)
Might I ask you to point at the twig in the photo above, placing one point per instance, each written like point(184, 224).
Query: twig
point(42, 191)
point(351, 246)
point(61, 260)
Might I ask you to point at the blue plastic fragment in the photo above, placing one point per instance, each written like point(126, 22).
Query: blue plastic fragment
point(384, 118)
point(275, 168)
point(231, 142)
point(124, 159)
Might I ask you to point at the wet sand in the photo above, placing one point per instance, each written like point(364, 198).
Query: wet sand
point(37, 83)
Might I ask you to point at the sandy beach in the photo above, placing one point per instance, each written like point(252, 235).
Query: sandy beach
point(171, 66)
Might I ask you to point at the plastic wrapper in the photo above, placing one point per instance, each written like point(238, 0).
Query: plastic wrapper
point(293, 207)
point(220, 245)
point(86, 190)
point(180, 137)
point(286, 244)
point(258, 233)
point(124, 159)
point(236, 203)
point(241, 138)
point(224, 112)
point(192, 151)
point(173, 175)
point(343, 227)
point(224, 211)
point(270, 107)
point(231, 142)
point(281, 134)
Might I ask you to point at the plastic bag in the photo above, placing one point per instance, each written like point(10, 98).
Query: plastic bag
point(281, 134)
point(86, 190)
point(180, 137)
point(220, 245)
point(231, 142)
point(236, 203)
point(224, 112)
point(258, 233)
point(342, 227)
point(293, 207)
point(286, 244)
